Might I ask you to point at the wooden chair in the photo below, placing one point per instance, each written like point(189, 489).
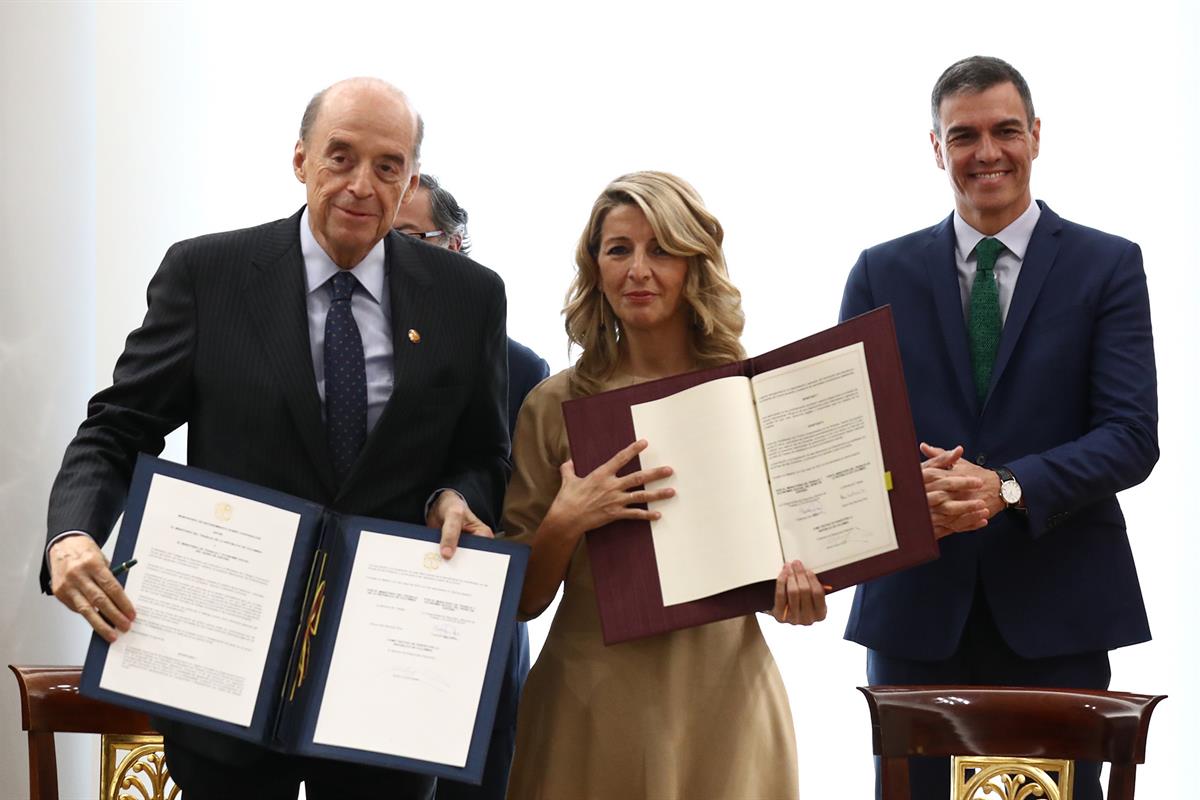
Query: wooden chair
point(131, 753)
point(1010, 738)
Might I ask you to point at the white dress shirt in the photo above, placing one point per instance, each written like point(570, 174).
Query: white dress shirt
point(1015, 239)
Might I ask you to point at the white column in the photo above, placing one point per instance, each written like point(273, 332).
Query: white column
point(47, 338)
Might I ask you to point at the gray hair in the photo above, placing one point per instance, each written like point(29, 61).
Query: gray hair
point(313, 110)
point(977, 74)
point(448, 215)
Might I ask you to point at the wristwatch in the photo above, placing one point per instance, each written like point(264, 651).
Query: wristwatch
point(1010, 490)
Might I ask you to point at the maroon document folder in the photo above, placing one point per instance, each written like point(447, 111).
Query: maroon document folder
point(622, 553)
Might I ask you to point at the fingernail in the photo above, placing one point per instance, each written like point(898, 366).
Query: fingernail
point(447, 552)
point(827, 587)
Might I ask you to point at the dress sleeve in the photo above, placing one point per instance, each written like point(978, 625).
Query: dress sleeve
point(539, 450)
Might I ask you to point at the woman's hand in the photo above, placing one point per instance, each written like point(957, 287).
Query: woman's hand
point(584, 504)
point(799, 596)
point(581, 505)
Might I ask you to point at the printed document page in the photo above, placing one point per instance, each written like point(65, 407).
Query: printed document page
point(206, 588)
point(412, 649)
point(818, 428)
point(718, 532)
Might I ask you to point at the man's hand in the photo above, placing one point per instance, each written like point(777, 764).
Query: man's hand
point(81, 580)
point(451, 514)
point(962, 496)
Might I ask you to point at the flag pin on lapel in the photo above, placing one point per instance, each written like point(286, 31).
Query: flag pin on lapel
point(414, 336)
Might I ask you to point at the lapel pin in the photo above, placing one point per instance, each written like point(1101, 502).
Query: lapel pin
point(414, 336)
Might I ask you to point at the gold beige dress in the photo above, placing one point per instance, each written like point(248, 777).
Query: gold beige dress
point(697, 714)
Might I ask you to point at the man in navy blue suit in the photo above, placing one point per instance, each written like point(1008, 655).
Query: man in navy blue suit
point(1029, 358)
point(436, 217)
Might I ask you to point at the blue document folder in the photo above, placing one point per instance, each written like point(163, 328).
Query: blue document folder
point(307, 622)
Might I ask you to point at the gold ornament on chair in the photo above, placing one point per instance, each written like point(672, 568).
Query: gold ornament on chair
point(141, 775)
point(1006, 778)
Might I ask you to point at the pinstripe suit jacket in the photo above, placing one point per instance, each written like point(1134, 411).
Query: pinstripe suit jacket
point(224, 348)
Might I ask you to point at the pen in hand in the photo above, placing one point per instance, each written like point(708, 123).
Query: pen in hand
point(117, 571)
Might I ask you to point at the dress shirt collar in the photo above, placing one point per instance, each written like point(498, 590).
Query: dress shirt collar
point(1015, 237)
point(319, 267)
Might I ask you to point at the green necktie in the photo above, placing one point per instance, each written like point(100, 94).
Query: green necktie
point(983, 322)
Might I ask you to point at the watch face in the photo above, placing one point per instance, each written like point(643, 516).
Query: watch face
point(1010, 492)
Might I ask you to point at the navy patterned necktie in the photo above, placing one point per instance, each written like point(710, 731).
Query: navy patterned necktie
point(345, 377)
point(983, 323)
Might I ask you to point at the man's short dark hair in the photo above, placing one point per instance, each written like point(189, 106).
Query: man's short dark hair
point(977, 74)
point(448, 215)
point(313, 109)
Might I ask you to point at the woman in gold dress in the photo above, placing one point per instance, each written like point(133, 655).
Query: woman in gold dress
point(698, 713)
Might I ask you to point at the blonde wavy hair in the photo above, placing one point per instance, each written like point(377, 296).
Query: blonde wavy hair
point(683, 227)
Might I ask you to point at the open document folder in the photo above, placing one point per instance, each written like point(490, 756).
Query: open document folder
point(806, 452)
point(269, 618)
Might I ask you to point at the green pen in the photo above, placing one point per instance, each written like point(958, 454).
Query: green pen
point(123, 566)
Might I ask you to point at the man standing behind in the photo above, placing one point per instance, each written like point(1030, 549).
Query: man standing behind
point(436, 217)
point(1026, 342)
point(320, 355)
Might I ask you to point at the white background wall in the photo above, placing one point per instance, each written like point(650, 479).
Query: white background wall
point(124, 128)
point(47, 338)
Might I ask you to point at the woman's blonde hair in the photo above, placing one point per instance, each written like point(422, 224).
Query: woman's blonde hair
point(683, 227)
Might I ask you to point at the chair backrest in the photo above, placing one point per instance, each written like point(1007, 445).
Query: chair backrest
point(51, 702)
point(1032, 725)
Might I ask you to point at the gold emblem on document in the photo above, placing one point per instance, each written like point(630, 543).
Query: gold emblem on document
point(223, 512)
point(414, 336)
point(432, 561)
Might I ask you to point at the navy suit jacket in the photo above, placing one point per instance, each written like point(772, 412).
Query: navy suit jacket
point(1072, 410)
point(224, 348)
point(526, 369)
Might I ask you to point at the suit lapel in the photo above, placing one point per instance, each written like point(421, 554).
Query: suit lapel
point(1039, 258)
point(947, 297)
point(276, 294)
point(408, 282)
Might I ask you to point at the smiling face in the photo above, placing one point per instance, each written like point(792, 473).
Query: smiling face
point(641, 281)
point(357, 164)
point(987, 147)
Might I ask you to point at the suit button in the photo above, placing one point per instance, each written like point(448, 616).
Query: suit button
point(981, 459)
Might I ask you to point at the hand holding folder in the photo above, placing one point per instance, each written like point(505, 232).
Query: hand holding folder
point(606, 494)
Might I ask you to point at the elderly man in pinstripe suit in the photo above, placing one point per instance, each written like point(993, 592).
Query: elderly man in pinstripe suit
point(234, 345)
